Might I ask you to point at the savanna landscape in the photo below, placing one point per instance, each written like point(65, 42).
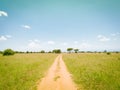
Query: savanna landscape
point(76, 71)
point(59, 44)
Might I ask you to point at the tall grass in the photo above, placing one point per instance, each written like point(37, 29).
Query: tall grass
point(94, 71)
point(22, 71)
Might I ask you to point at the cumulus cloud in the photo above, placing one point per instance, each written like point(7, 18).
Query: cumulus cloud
point(51, 42)
point(5, 37)
point(34, 44)
point(35, 40)
point(103, 38)
point(3, 13)
point(26, 27)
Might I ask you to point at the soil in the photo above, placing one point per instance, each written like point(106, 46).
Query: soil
point(57, 78)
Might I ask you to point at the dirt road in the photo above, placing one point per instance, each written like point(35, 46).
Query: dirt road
point(57, 78)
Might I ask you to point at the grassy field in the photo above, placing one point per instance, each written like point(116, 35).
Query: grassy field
point(93, 71)
point(22, 71)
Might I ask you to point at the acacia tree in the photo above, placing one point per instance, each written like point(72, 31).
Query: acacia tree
point(69, 49)
point(8, 52)
point(76, 50)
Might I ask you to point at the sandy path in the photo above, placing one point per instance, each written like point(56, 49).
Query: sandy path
point(57, 78)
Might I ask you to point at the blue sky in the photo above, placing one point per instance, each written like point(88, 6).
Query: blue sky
point(36, 25)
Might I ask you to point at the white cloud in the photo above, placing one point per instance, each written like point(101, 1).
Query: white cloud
point(75, 42)
point(36, 40)
point(3, 38)
point(26, 27)
point(103, 38)
point(33, 45)
point(51, 42)
point(3, 13)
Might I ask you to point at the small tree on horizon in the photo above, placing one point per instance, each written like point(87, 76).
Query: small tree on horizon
point(8, 52)
point(56, 51)
point(42, 51)
point(76, 50)
point(69, 49)
point(49, 52)
point(27, 51)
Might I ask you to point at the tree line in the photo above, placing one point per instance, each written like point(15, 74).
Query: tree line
point(8, 52)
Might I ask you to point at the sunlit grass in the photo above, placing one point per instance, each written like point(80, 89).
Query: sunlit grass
point(22, 71)
point(94, 71)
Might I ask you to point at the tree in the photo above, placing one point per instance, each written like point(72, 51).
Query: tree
point(8, 52)
point(1, 52)
point(76, 50)
point(56, 51)
point(108, 53)
point(42, 51)
point(27, 51)
point(69, 49)
point(49, 52)
point(105, 51)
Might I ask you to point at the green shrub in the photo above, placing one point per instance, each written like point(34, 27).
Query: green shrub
point(8, 52)
point(108, 53)
point(42, 51)
point(56, 51)
point(1, 52)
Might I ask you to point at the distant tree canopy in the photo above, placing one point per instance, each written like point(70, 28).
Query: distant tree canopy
point(108, 53)
point(69, 49)
point(42, 51)
point(105, 51)
point(56, 51)
point(49, 52)
point(1, 52)
point(76, 50)
point(27, 52)
point(8, 52)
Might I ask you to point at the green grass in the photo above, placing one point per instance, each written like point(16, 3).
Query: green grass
point(94, 71)
point(23, 71)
